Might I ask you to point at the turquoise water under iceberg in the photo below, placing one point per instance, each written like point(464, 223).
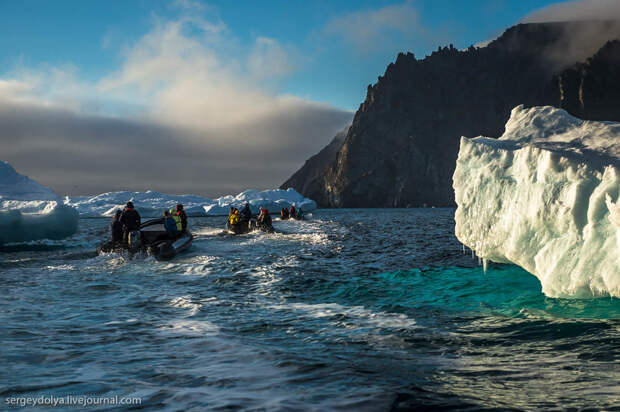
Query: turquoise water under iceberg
point(351, 310)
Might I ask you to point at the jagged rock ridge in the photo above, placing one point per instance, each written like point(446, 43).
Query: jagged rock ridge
point(308, 177)
point(401, 148)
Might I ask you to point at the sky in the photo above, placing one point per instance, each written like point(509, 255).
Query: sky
point(209, 97)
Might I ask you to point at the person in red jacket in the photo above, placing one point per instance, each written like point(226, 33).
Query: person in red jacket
point(264, 217)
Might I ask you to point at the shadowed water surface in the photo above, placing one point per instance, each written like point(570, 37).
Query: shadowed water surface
point(351, 310)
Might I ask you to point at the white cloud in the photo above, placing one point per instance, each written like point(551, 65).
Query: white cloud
point(190, 5)
point(188, 80)
point(269, 59)
point(369, 30)
point(187, 83)
point(14, 90)
point(594, 22)
point(576, 10)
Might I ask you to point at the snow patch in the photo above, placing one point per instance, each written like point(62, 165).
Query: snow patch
point(29, 211)
point(544, 196)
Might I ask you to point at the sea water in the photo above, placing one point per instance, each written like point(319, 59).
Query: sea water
point(349, 310)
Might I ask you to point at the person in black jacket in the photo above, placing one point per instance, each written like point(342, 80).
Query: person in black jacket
point(265, 217)
point(246, 213)
point(116, 227)
point(181, 213)
point(130, 220)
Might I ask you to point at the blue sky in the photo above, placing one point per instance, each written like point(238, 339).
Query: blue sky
point(211, 98)
point(92, 35)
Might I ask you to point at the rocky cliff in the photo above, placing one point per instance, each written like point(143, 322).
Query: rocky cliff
point(309, 177)
point(591, 90)
point(401, 148)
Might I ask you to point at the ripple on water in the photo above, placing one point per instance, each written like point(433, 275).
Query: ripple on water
point(352, 309)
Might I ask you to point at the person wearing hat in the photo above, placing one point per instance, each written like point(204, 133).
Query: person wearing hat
point(130, 219)
point(265, 217)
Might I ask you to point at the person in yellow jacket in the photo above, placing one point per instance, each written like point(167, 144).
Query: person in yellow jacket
point(234, 217)
point(177, 220)
point(180, 213)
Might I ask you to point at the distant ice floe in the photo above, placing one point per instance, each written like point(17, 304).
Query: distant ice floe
point(29, 211)
point(544, 196)
point(152, 204)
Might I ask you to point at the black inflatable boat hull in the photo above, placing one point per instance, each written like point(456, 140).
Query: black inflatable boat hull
point(151, 238)
point(239, 228)
point(166, 250)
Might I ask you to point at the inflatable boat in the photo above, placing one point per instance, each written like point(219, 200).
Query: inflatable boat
point(240, 228)
point(262, 226)
point(153, 239)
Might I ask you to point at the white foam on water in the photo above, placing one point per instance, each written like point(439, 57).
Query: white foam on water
point(60, 267)
point(190, 327)
point(202, 265)
point(121, 322)
point(186, 302)
point(361, 317)
point(208, 231)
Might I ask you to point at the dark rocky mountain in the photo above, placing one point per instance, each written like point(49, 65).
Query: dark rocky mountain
point(401, 148)
point(591, 90)
point(307, 179)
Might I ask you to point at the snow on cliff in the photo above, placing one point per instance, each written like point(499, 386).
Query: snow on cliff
point(545, 197)
point(152, 204)
point(29, 211)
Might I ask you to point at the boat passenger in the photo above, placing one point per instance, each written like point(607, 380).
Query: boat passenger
point(130, 218)
point(264, 217)
point(292, 213)
point(284, 213)
point(170, 225)
point(181, 214)
point(234, 218)
point(116, 227)
point(246, 213)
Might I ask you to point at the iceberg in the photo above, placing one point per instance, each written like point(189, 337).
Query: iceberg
point(30, 211)
point(544, 196)
point(152, 203)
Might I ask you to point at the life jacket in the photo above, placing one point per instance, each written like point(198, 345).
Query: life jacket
point(177, 220)
point(233, 219)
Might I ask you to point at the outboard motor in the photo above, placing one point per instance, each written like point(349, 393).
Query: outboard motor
point(135, 241)
point(253, 224)
point(166, 251)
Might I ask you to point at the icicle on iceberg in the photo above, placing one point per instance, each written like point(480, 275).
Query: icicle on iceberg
point(544, 196)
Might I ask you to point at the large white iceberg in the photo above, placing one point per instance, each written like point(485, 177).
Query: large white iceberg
point(544, 196)
point(29, 211)
point(152, 204)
